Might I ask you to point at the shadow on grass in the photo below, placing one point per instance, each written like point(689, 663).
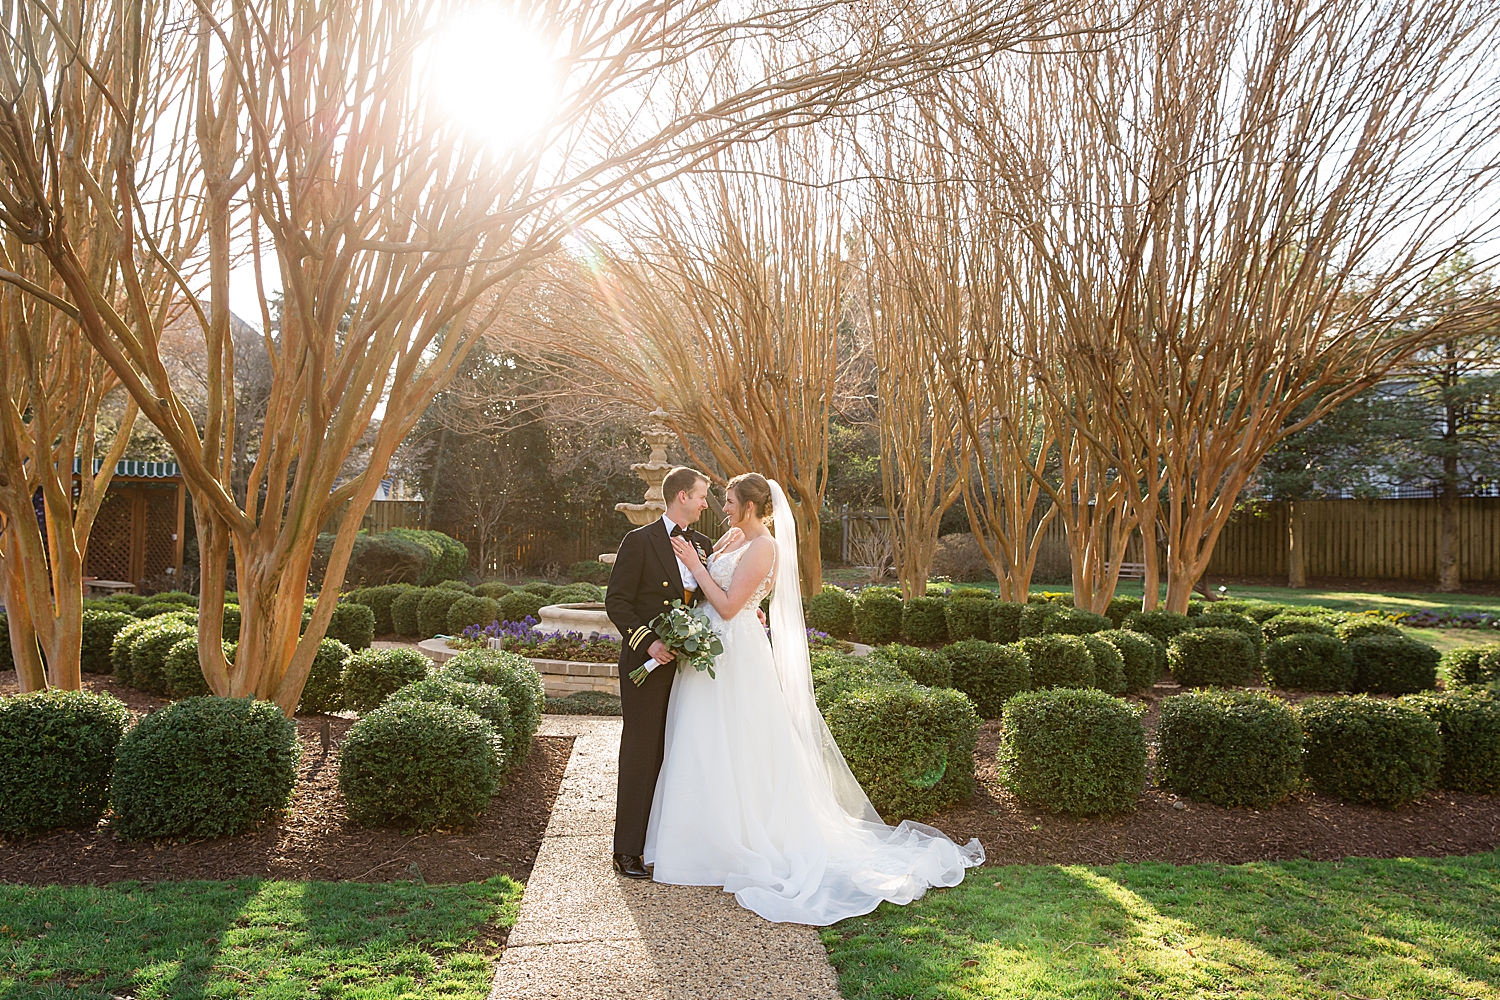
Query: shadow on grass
point(1416, 929)
point(252, 938)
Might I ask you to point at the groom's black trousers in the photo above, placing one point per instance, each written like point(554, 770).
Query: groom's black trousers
point(641, 744)
point(643, 584)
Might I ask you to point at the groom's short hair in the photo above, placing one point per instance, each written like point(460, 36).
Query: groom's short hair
point(679, 480)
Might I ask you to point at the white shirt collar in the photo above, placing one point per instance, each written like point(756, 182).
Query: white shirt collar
point(668, 523)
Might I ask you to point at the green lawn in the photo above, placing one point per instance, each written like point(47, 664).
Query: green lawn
point(1420, 929)
point(253, 938)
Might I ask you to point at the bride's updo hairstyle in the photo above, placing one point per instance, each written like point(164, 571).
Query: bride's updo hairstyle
point(752, 488)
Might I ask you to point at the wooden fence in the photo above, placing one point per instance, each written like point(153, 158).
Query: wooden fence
point(1343, 539)
point(1362, 540)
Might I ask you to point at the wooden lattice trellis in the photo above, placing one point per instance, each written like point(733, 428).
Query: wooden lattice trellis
point(137, 534)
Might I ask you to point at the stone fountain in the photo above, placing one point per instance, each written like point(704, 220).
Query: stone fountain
point(658, 435)
point(588, 618)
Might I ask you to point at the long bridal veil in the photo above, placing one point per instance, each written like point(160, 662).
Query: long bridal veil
point(896, 863)
point(793, 667)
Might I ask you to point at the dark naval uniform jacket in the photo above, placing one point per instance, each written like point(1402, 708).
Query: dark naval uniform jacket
point(644, 583)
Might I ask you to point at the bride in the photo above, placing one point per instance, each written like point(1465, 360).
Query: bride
point(753, 793)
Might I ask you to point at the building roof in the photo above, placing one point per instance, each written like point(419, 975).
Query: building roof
point(139, 470)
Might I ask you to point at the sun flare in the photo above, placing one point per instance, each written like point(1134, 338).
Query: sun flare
point(493, 77)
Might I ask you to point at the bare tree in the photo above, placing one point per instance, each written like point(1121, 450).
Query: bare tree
point(1234, 212)
point(54, 385)
point(306, 132)
point(723, 306)
point(944, 251)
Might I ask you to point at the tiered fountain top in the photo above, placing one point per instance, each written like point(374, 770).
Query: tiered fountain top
point(658, 435)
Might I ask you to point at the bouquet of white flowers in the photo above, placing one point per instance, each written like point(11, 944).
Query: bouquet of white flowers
point(686, 632)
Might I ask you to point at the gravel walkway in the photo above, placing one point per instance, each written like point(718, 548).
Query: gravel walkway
point(585, 932)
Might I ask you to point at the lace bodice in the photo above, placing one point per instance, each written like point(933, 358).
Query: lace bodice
point(721, 566)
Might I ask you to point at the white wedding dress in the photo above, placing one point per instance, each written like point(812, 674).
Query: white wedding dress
point(753, 794)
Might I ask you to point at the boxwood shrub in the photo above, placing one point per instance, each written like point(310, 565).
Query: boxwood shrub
point(831, 610)
point(484, 700)
point(1109, 666)
point(1119, 608)
point(1075, 751)
point(1244, 624)
point(1266, 612)
point(1005, 621)
point(578, 593)
point(457, 585)
point(910, 747)
point(967, 615)
point(233, 617)
point(519, 605)
point(924, 621)
point(877, 615)
point(1142, 658)
point(57, 749)
point(1160, 625)
point(540, 588)
point(1231, 748)
point(419, 765)
point(184, 674)
point(472, 610)
point(835, 675)
point(1034, 617)
point(989, 672)
point(1211, 657)
point(1359, 626)
point(925, 666)
point(586, 571)
point(379, 600)
point(1291, 624)
point(203, 767)
point(498, 589)
point(1472, 666)
point(324, 690)
point(149, 649)
point(353, 624)
point(521, 685)
point(119, 651)
point(1308, 661)
point(1058, 661)
point(1370, 751)
point(373, 675)
point(1470, 727)
point(405, 609)
point(432, 612)
point(1073, 621)
point(99, 631)
point(1393, 664)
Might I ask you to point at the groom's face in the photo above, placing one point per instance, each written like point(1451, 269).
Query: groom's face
point(689, 505)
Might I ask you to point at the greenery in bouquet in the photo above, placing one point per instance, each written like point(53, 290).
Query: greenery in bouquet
point(686, 632)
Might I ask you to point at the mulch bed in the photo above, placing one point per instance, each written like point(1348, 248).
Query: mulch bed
point(1308, 825)
point(315, 839)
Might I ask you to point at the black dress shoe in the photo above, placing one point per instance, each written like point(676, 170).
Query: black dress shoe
point(631, 866)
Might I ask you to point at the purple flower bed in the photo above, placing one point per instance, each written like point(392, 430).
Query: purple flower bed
point(1451, 619)
point(525, 638)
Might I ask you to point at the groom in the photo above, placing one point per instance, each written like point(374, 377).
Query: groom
point(646, 579)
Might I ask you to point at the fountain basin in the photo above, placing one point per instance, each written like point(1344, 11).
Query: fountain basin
point(585, 618)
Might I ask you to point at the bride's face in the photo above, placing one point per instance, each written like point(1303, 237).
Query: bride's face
point(732, 509)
